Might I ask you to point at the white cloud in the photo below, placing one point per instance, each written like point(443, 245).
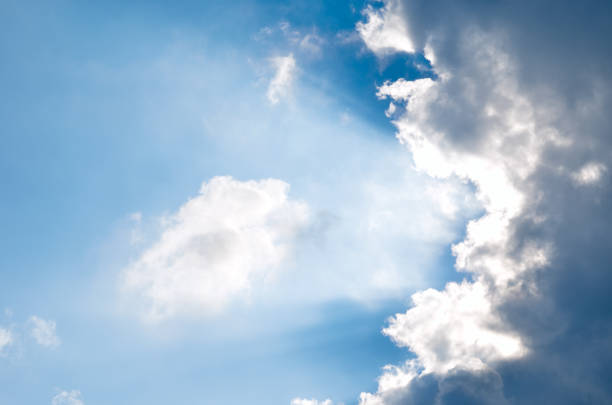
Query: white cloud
point(312, 44)
point(72, 397)
point(218, 242)
point(464, 332)
point(429, 53)
point(43, 332)
point(6, 338)
point(589, 174)
point(385, 30)
point(280, 85)
point(301, 401)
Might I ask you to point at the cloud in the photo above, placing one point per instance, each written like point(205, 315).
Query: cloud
point(312, 44)
point(72, 397)
point(454, 328)
point(301, 401)
point(6, 338)
point(280, 85)
point(43, 332)
point(501, 115)
point(589, 173)
point(216, 245)
point(385, 31)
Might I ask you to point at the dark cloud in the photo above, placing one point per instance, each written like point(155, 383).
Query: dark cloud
point(562, 64)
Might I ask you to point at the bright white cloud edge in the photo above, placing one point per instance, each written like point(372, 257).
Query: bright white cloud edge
point(384, 31)
point(458, 327)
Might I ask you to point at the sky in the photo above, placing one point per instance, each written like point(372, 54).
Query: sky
point(305, 202)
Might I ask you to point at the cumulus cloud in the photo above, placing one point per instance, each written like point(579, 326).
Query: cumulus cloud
point(459, 327)
point(216, 245)
point(384, 31)
point(453, 328)
point(500, 115)
point(72, 397)
point(43, 331)
point(281, 83)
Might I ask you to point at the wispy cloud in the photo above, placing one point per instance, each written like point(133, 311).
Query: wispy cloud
point(44, 332)
point(282, 81)
point(302, 401)
point(72, 397)
point(6, 338)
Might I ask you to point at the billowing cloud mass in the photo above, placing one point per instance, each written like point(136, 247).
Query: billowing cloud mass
point(520, 110)
point(280, 85)
point(43, 331)
point(5, 339)
point(216, 245)
point(72, 397)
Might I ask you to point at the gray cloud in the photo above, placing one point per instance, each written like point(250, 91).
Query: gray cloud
point(520, 108)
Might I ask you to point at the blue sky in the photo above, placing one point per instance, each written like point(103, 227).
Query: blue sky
point(304, 202)
point(118, 109)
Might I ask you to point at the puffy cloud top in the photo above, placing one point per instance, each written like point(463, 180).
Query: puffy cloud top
point(503, 115)
point(385, 31)
point(216, 244)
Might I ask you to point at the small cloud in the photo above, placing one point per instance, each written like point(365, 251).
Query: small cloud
point(264, 32)
point(385, 30)
point(391, 110)
point(68, 398)
point(312, 44)
point(347, 37)
point(429, 53)
point(284, 26)
point(44, 332)
point(136, 217)
point(136, 235)
point(280, 85)
point(302, 401)
point(589, 173)
point(6, 338)
point(292, 35)
point(346, 118)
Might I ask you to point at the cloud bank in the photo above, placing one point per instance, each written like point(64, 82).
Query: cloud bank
point(517, 108)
